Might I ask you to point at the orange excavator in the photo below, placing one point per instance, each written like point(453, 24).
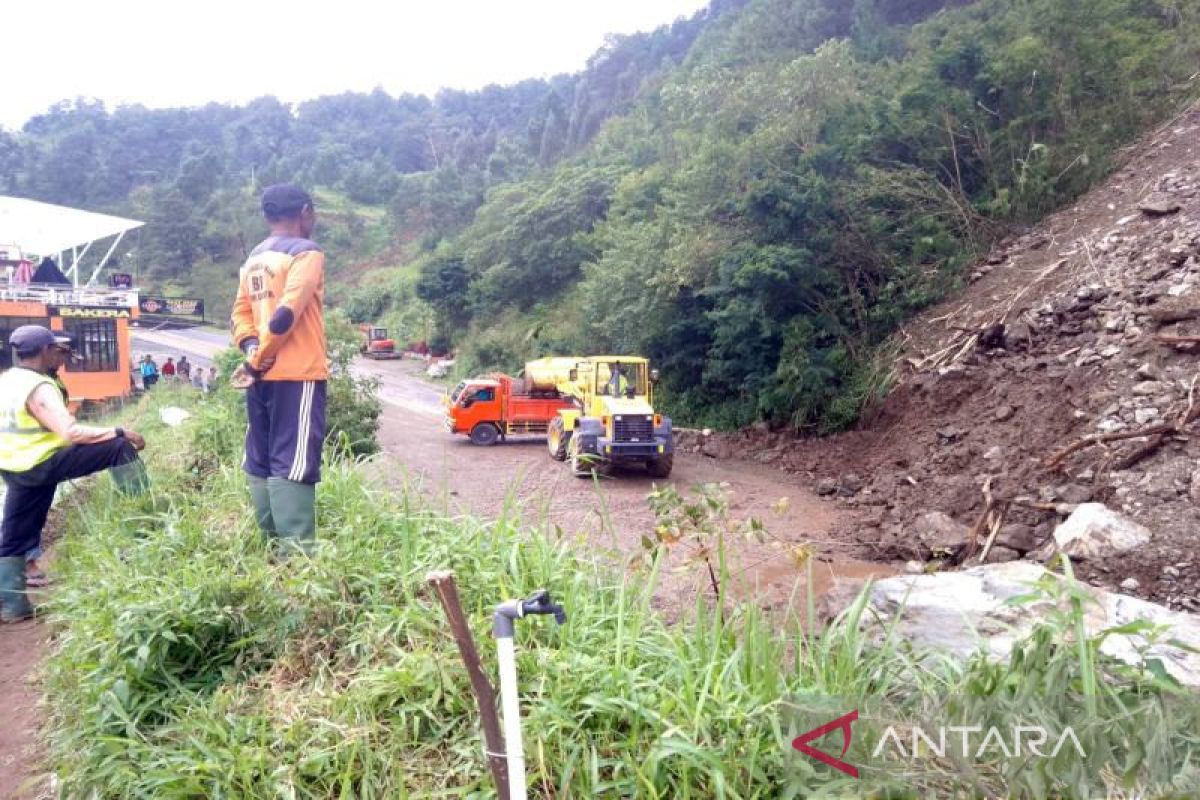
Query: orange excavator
point(376, 343)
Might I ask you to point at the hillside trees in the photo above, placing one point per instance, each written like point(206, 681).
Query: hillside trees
point(777, 210)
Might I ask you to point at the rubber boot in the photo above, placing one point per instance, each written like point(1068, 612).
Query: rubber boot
point(261, 497)
point(14, 602)
point(294, 510)
point(130, 478)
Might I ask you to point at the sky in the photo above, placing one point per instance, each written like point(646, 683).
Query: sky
point(172, 53)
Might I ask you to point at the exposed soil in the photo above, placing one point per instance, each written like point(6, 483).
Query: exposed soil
point(1052, 340)
point(22, 646)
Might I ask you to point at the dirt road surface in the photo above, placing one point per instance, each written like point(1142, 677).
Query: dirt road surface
point(610, 514)
point(21, 753)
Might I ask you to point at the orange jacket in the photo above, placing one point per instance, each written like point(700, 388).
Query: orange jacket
point(278, 306)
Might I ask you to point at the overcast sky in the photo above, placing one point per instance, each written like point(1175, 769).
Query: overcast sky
point(168, 53)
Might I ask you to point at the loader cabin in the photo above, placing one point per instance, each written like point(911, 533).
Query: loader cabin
point(50, 276)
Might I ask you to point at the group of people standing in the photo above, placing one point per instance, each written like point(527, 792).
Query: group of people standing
point(200, 378)
point(278, 324)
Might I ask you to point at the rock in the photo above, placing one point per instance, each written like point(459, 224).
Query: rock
point(949, 434)
point(938, 533)
point(1095, 531)
point(1149, 372)
point(849, 485)
point(1144, 416)
point(1074, 493)
point(1110, 351)
point(1016, 536)
point(1004, 413)
point(1130, 584)
point(1170, 572)
point(826, 487)
point(994, 453)
point(969, 611)
point(1000, 554)
point(1017, 335)
point(914, 567)
point(842, 592)
point(717, 447)
point(1147, 388)
point(1194, 491)
point(1159, 205)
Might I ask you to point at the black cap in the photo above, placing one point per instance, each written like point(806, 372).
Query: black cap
point(29, 340)
point(284, 200)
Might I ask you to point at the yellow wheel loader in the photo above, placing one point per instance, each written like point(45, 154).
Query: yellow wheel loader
point(613, 421)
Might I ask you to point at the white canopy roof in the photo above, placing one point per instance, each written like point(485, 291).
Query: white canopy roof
point(46, 229)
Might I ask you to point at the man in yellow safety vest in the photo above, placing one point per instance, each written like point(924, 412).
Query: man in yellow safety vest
point(42, 445)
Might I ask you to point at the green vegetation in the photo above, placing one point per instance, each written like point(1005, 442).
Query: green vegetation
point(755, 198)
point(188, 665)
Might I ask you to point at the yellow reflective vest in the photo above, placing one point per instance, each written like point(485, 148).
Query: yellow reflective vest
point(24, 442)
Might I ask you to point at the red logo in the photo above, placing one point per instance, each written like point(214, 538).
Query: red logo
point(842, 723)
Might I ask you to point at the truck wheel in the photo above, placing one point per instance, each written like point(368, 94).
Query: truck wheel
point(557, 438)
point(485, 434)
point(661, 466)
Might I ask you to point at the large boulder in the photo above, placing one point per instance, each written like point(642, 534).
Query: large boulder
point(967, 611)
point(938, 534)
point(1095, 531)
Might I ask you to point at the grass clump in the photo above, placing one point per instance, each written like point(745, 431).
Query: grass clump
point(189, 665)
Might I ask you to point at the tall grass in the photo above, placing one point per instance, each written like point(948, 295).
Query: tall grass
point(188, 665)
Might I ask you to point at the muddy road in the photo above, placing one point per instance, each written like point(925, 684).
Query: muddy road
point(609, 515)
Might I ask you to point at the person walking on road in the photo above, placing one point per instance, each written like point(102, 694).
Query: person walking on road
point(185, 369)
point(279, 325)
point(197, 378)
point(42, 445)
point(168, 370)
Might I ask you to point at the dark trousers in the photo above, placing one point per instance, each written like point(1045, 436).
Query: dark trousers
point(30, 493)
point(286, 431)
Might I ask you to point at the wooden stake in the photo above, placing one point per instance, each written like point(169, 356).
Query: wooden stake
point(447, 592)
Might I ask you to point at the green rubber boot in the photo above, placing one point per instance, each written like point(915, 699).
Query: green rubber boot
point(130, 478)
point(261, 497)
point(14, 602)
point(294, 509)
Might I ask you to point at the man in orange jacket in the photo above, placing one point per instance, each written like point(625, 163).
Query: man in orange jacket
point(279, 324)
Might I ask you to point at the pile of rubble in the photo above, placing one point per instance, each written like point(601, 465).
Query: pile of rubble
point(1052, 406)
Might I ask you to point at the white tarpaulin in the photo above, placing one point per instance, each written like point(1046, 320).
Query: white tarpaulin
point(44, 229)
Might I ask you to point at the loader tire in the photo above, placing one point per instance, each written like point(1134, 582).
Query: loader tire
point(485, 434)
point(661, 466)
point(581, 466)
point(557, 439)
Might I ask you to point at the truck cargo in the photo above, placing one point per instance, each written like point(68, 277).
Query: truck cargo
point(491, 408)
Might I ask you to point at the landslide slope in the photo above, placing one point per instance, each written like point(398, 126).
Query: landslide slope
point(1057, 337)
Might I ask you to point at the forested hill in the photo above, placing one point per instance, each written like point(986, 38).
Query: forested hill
point(417, 165)
point(756, 197)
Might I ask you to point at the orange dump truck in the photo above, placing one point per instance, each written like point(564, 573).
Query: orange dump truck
point(493, 407)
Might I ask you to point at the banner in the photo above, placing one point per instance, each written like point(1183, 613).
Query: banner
point(88, 312)
point(174, 306)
